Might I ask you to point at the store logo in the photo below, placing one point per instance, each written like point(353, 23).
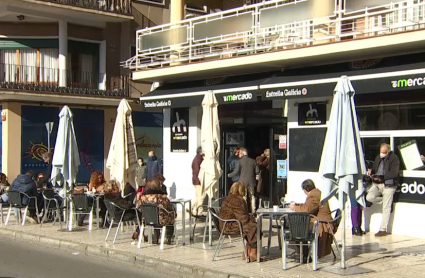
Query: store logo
point(286, 93)
point(238, 97)
point(154, 104)
point(411, 82)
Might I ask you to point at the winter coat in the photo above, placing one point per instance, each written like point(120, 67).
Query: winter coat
point(391, 167)
point(152, 168)
point(196, 167)
point(232, 161)
point(24, 183)
point(263, 177)
point(141, 175)
point(159, 198)
point(122, 203)
point(247, 169)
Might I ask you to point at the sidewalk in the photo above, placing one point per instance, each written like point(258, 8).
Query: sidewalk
point(392, 256)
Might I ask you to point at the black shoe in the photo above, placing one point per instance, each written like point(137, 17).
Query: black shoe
point(295, 256)
point(310, 260)
point(80, 221)
point(357, 231)
point(363, 232)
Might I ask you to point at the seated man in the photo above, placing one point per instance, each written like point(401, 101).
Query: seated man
point(25, 183)
point(312, 205)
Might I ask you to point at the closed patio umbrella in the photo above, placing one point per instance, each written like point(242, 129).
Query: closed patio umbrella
point(210, 171)
point(66, 157)
point(342, 164)
point(122, 156)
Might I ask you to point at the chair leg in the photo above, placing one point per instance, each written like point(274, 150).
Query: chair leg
point(116, 233)
point(58, 215)
point(283, 249)
point(244, 248)
point(91, 220)
point(161, 247)
point(217, 246)
point(194, 227)
point(269, 239)
point(109, 230)
point(1, 211)
point(205, 228)
point(8, 215)
point(25, 216)
point(140, 236)
point(279, 239)
point(44, 218)
point(301, 251)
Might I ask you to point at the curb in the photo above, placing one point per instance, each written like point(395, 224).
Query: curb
point(155, 264)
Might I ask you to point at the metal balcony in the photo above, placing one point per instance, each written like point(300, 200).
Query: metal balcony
point(40, 79)
point(113, 6)
point(270, 26)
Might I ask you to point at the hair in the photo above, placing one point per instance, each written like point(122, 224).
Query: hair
point(111, 186)
point(140, 158)
point(199, 150)
point(243, 151)
point(386, 145)
point(153, 185)
point(267, 152)
point(308, 185)
point(94, 175)
point(29, 173)
point(47, 155)
point(3, 178)
point(238, 188)
point(159, 177)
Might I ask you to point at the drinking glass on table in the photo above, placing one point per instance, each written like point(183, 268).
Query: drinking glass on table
point(282, 201)
point(266, 204)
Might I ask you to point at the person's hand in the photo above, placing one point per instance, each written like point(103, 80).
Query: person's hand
point(292, 205)
point(369, 172)
point(228, 175)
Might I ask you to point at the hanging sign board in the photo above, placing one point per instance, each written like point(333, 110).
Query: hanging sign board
point(312, 113)
point(282, 141)
point(411, 156)
point(179, 123)
point(281, 169)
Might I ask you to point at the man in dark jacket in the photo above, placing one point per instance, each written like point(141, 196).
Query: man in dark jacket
point(247, 169)
point(232, 161)
point(385, 172)
point(25, 183)
point(152, 167)
point(196, 167)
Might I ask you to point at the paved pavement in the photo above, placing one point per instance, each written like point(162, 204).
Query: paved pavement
point(392, 256)
point(23, 260)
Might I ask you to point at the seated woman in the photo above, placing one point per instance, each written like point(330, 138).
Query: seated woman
point(97, 185)
point(154, 195)
point(161, 179)
point(234, 207)
point(322, 211)
point(112, 194)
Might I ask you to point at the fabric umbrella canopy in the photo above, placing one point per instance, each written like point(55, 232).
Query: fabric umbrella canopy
point(66, 158)
point(122, 156)
point(342, 163)
point(210, 171)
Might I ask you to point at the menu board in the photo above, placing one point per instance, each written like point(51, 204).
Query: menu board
point(411, 155)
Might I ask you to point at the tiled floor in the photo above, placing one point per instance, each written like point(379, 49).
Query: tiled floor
point(392, 256)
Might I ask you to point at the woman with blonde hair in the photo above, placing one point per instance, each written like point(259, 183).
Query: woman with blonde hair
point(234, 207)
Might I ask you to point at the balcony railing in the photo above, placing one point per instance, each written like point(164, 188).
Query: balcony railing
point(14, 77)
point(269, 26)
point(113, 6)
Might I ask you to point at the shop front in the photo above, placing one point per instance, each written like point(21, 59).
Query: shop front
point(389, 100)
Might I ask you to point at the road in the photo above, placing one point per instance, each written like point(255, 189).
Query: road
point(23, 260)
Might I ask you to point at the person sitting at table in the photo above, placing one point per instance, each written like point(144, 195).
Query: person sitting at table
point(161, 179)
point(322, 211)
point(153, 194)
point(234, 207)
point(97, 182)
point(112, 194)
point(4, 184)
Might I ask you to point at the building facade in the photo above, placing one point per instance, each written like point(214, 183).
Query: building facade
point(273, 66)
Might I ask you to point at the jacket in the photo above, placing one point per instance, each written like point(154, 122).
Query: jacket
point(247, 170)
point(159, 198)
point(24, 183)
point(152, 168)
point(122, 203)
point(233, 160)
point(323, 212)
point(196, 167)
point(391, 167)
point(263, 163)
point(141, 175)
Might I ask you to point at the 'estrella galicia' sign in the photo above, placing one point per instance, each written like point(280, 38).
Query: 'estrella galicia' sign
point(179, 124)
point(312, 113)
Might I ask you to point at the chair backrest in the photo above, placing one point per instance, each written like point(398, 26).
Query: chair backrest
point(298, 224)
point(217, 203)
point(82, 202)
point(113, 210)
point(215, 219)
point(49, 194)
point(15, 198)
point(150, 213)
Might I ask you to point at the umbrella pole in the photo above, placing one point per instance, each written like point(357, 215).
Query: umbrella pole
point(341, 197)
point(209, 221)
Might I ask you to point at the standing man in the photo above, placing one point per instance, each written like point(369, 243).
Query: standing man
point(45, 180)
point(196, 167)
point(232, 161)
point(152, 167)
point(247, 169)
point(385, 172)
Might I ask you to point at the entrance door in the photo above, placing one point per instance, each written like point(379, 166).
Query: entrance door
point(278, 164)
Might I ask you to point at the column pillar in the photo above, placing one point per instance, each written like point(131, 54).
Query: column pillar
point(102, 65)
point(176, 15)
point(110, 115)
point(63, 52)
point(11, 131)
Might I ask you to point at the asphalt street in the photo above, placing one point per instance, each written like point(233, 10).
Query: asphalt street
point(23, 260)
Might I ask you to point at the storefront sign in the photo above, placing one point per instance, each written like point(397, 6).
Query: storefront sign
point(156, 104)
point(311, 113)
point(409, 82)
point(281, 169)
point(179, 123)
point(238, 97)
point(287, 93)
point(282, 141)
point(412, 190)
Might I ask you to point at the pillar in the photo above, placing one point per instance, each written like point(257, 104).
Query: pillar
point(63, 52)
point(102, 65)
point(11, 130)
point(110, 115)
point(176, 10)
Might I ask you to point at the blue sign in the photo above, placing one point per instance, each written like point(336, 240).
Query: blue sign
point(281, 169)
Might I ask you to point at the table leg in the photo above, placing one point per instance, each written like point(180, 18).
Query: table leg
point(97, 212)
point(269, 240)
point(259, 219)
point(184, 223)
point(190, 221)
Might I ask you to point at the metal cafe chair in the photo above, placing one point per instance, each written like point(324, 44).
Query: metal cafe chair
point(51, 204)
point(216, 205)
point(150, 215)
point(201, 215)
point(117, 214)
point(82, 204)
point(300, 233)
point(333, 226)
point(3, 205)
point(222, 230)
point(15, 200)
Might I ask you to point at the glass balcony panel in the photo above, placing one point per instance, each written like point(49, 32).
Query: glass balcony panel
point(222, 27)
point(358, 5)
point(166, 38)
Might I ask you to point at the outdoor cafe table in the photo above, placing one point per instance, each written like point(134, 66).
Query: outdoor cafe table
point(271, 213)
point(183, 203)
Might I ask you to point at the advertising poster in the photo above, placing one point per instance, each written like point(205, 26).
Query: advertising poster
point(312, 113)
point(282, 142)
point(179, 124)
point(281, 169)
